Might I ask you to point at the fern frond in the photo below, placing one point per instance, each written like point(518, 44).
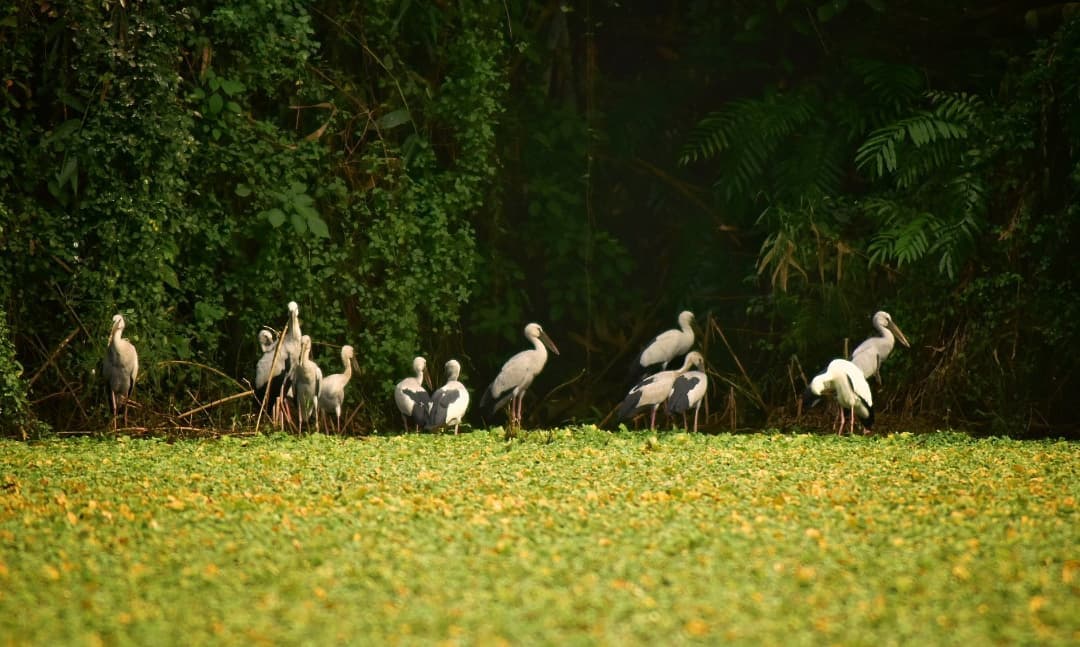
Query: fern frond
point(745, 120)
point(812, 167)
point(894, 86)
point(744, 138)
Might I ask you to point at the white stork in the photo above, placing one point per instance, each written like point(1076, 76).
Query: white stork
point(517, 374)
point(870, 354)
point(845, 382)
point(411, 397)
point(666, 346)
point(120, 368)
point(332, 389)
point(450, 401)
point(654, 390)
point(688, 392)
point(307, 378)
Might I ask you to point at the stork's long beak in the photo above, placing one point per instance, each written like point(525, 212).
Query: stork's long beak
point(899, 335)
point(427, 379)
point(547, 342)
point(112, 331)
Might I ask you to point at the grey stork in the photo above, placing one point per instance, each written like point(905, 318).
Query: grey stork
point(120, 368)
point(307, 378)
point(687, 392)
point(517, 374)
point(654, 390)
point(411, 397)
point(270, 371)
point(332, 389)
point(666, 346)
point(870, 354)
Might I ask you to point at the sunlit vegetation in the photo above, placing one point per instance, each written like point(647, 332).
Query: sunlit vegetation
point(569, 535)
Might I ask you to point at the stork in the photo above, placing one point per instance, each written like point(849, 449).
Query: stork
point(120, 368)
point(517, 374)
point(332, 389)
point(450, 401)
point(270, 370)
point(307, 377)
point(412, 399)
point(870, 354)
point(687, 392)
point(846, 383)
point(293, 336)
point(290, 345)
point(653, 391)
point(666, 346)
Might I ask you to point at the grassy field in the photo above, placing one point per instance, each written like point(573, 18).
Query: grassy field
point(576, 536)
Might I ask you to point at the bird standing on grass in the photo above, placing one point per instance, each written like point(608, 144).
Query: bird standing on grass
point(290, 346)
point(120, 368)
point(450, 401)
point(870, 354)
point(270, 370)
point(654, 390)
point(332, 389)
point(666, 346)
point(411, 397)
point(509, 386)
point(687, 392)
point(306, 381)
point(845, 382)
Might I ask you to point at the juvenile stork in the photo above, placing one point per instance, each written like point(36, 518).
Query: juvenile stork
point(120, 368)
point(666, 346)
point(845, 382)
point(450, 401)
point(509, 386)
point(307, 377)
point(332, 389)
point(412, 399)
point(870, 354)
point(654, 390)
point(270, 370)
point(688, 392)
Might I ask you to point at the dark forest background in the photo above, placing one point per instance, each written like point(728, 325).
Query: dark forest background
point(427, 177)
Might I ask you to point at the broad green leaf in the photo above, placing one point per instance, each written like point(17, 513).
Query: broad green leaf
point(393, 119)
point(318, 226)
point(299, 223)
point(274, 216)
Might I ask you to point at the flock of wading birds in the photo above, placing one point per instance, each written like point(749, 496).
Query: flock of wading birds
point(288, 381)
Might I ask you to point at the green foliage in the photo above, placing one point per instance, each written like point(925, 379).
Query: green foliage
point(16, 416)
point(628, 538)
point(748, 133)
point(198, 168)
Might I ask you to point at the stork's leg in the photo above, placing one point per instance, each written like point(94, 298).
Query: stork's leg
point(851, 425)
point(696, 409)
point(652, 419)
point(840, 429)
point(115, 411)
